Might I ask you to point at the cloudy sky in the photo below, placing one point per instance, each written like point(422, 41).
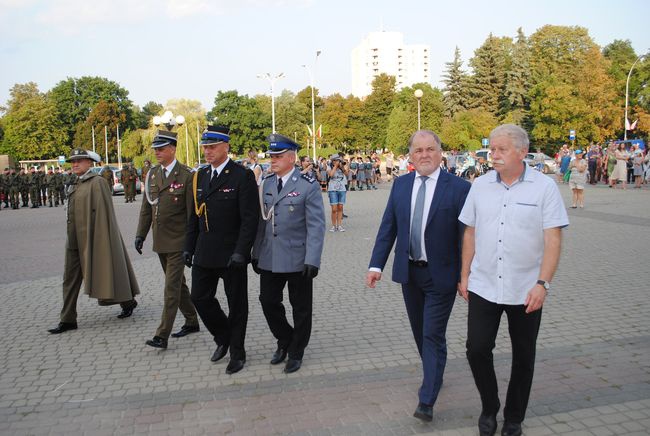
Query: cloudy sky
point(162, 49)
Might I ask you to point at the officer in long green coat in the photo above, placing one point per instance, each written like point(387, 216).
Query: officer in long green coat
point(95, 254)
point(166, 208)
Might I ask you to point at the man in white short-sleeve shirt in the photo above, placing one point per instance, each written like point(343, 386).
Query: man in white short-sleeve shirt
point(511, 249)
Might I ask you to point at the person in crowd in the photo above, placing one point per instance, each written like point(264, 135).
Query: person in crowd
point(352, 173)
point(390, 163)
point(510, 251)
point(336, 190)
point(620, 169)
point(565, 159)
point(322, 171)
point(637, 166)
point(254, 166)
point(220, 235)
point(578, 179)
point(287, 250)
point(95, 254)
point(421, 219)
point(166, 208)
point(593, 158)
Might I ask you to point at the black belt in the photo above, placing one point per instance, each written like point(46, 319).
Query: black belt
point(421, 263)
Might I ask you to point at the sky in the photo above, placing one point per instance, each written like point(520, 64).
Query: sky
point(164, 49)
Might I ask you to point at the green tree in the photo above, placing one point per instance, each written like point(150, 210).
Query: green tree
point(21, 93)
point(75, 97)
point(377, 108)
point(32, 130)
point(194, 114)
point(291, 116)
point(342, 122)
point(103, 114)
point(402, 121)
point(455, 92)
point(247, 122)
point(486, 86)
point(466, 129)
point(517, 86)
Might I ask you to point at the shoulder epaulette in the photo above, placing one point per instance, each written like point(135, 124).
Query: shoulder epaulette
point(307, 177)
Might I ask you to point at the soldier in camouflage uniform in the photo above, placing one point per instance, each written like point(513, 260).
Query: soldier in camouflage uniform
point(59, 194)
point(107, 174)
point(24, 187)
point(13, 189)
point(42, 187)
point(49, 186)
point(4, 190)
point(34, 188)
point(132, 181)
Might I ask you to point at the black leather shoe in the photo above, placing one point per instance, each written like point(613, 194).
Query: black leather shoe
point(186, 330)
point(218, 354)
point(279, 356)
point(127, 311)
point(63, 327)
point(292, 365)
point(424, 412)
point(511, 429)
point(235, 366)
point(487, 425)
point(157, 342)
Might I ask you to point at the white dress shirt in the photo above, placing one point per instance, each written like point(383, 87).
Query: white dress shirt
point(168, 169)
point(509, 224)
point(220, 167)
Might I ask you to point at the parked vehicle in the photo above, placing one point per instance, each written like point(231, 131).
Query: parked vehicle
point(117, 184)
point(549, 165)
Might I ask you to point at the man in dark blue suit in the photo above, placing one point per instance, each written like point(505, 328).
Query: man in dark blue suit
point(422, 214)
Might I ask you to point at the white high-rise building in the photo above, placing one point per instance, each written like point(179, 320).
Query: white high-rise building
point(385, 52)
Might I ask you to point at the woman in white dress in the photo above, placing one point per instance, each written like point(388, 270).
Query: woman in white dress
point(620, 170)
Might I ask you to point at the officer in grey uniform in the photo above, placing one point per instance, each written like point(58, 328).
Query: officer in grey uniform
point(288, 249)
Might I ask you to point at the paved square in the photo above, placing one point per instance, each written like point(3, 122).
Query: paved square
point(361, 370)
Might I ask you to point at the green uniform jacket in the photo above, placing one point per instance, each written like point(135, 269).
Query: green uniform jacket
point(169, 216)
point(92, 229)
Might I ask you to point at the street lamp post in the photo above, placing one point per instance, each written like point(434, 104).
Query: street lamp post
point(418, 94)
point(313, 110)
point(271, 80)
point(170, 121)
point(627, 87)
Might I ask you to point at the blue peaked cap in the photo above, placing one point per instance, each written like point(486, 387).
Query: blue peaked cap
point(279, 144)
point(215, 135)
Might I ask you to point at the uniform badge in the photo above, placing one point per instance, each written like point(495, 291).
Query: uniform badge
point(171, 189)
point(291, 208)
point(293, 194)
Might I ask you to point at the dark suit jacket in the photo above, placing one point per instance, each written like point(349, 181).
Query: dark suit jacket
point(233, 211)
point(442, 235)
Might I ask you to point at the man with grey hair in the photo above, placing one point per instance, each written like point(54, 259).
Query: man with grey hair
point(421, 218)
point(511, 249)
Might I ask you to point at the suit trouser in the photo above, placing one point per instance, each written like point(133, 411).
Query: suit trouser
point(227, 330)
point(428, 310)
point(72, 279)
point(482, 327)
point(177, 295)
point(293, 339)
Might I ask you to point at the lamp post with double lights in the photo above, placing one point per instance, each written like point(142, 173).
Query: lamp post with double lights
point(271, 80)
point(170, 121)
point(627, 89)
point(418, 94)
point(313, 110)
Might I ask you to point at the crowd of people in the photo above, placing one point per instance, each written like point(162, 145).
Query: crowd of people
point(40, 188)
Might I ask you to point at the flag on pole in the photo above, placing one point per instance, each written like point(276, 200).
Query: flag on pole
point(319, 132)
point(633, 126)
point(310, 132)
point(627, 124)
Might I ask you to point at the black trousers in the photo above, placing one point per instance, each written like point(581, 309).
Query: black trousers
point(227, 330)
point(482, 327)
point(293, 339)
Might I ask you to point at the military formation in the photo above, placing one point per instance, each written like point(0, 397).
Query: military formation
point(20, 189)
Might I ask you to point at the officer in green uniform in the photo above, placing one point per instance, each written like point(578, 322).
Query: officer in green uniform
point(125, 177)
point(107, 174)
point(166, 207)
point(24, 186)
point(145, 169)
point(34, 189)
point(132, 181)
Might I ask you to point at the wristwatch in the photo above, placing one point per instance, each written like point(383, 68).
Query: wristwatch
point(546, 285)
